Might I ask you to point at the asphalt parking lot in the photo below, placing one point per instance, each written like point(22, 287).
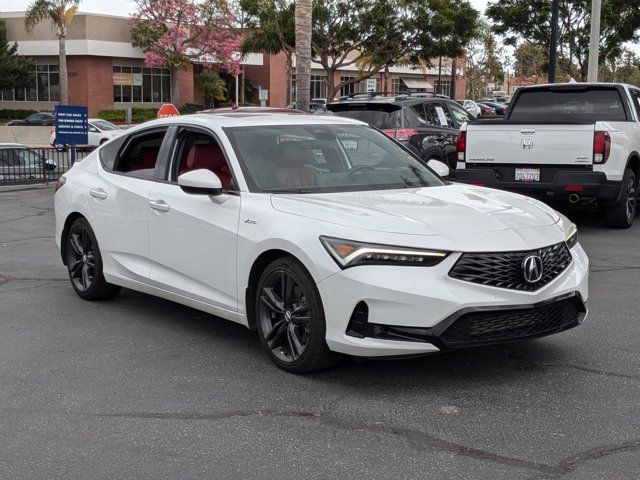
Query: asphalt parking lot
point(139, 387)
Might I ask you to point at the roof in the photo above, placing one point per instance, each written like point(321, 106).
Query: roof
point(248, 120)
point(578, 85)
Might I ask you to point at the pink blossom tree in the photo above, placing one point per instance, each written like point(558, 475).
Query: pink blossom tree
point(176, 33)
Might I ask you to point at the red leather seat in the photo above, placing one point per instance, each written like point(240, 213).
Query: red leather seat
point(210, 157)
point(148, 158)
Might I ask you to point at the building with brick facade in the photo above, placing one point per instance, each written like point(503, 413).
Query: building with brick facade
point(107, 72)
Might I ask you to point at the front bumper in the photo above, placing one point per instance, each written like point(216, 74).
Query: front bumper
point(409, 309)
point(553, 182)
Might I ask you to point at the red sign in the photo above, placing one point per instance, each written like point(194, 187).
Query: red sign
point(168, 110)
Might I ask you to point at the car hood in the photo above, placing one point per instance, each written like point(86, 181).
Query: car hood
point(450, 210)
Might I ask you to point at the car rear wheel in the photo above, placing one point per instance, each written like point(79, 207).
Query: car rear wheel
point(84, 263)
point(622, 214)
point(290, 318)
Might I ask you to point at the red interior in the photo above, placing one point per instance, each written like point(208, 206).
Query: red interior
point(148, 158)
point(210, 157)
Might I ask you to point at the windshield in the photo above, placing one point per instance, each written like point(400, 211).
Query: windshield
point(325, 158)
point(104, 125)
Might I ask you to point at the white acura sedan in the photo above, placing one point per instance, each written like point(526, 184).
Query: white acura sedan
point(321, 233)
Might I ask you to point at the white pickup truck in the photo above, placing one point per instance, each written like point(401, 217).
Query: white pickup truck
point(575, 142)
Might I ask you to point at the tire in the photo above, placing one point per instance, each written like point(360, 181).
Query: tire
point(622, 214)
point(84, 264)
point(290, 318)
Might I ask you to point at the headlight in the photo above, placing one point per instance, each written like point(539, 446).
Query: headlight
point(572, 238)
point(348, 253)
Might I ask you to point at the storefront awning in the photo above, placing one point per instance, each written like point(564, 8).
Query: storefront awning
point(416, 83)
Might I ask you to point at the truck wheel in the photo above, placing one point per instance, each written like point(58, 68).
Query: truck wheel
point(621, 214)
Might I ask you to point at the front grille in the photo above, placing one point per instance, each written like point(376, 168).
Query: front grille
point(487, 327)
point(504, 269)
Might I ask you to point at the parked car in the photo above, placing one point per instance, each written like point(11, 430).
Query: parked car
point(19, 163)
point(575, 142)
point(486, 110)
point(321, 233)
point(100, 132)
point(35, 119)
point(498, 108)
point(427, 125)
point(472, 107)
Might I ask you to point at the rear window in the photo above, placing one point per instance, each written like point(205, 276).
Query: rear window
point(380, 116)
point(569, 105)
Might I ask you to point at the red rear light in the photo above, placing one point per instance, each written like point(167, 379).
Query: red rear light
point(574, 188)
point(461, 146)
point(405, 134)
point(401, 134)
point(390, 133)
point(601, 147)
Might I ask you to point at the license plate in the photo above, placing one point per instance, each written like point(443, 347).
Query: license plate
point(527, 174)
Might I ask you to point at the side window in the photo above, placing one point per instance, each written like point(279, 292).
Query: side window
point(141, 153)
point(8, 158)
point(635, 94)
point(459, 115)
point(196, 150)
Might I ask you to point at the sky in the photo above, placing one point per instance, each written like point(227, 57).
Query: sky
point(125, 7)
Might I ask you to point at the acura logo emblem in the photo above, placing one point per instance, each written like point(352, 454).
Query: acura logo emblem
point(532, 268)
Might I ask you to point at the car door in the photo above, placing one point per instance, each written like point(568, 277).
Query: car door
point(193, 237)
point(118, 200)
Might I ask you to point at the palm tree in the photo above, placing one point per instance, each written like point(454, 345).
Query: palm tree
point(61, 13)
point(303, 53)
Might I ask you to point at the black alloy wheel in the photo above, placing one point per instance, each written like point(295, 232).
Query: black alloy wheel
point(290, 318)
point(84, 263)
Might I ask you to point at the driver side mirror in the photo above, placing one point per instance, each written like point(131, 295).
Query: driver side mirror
point(93, 129)
point(439, 167)
point(200, 182)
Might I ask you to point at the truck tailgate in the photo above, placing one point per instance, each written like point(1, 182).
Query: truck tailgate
point(534, 144)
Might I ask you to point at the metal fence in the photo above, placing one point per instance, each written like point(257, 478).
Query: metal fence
point(22, 165)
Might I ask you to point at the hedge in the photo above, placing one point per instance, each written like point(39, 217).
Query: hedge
point(139, 115)
point(11, 114)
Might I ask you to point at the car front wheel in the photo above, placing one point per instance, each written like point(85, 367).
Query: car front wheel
point(84, 263)
point(290, 318)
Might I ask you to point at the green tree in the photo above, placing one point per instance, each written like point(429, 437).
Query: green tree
point(484, 64)
point(61, 13)
point(529, 21)
point(270, 28)
point(213, 88)
point(444, 29)
point(15, 71)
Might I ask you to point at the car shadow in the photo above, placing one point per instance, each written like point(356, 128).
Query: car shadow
point(508, 363)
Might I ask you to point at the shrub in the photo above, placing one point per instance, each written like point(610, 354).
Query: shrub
point(139, 115)
point(12, 114)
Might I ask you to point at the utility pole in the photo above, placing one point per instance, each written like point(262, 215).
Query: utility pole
point(594, 41)
point(553, 48)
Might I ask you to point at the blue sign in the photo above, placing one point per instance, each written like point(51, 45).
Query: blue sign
point(72, 125)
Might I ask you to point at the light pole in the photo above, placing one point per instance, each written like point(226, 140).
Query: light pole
point(553, 47)
point(594, 41)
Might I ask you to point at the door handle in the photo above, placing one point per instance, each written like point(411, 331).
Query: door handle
point(159, 205)
point(98, 193)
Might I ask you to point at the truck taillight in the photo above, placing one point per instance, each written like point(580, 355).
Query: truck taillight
point(401, 134)
point(601, 146)
point(461, 146)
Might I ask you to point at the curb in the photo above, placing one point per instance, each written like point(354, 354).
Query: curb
point(20, 188)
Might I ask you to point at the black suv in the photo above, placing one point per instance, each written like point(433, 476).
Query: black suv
point(427, 124)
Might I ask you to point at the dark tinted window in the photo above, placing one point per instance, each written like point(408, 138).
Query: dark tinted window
point(569, 105)
point(381, 116)
point(109, 152)
point(141, 153)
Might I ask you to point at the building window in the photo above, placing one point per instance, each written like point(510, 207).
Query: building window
point(318, 86)
point(397, 85)
point(445, 89)
point(141, 84)
point(45, 87)
point(349, 89)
